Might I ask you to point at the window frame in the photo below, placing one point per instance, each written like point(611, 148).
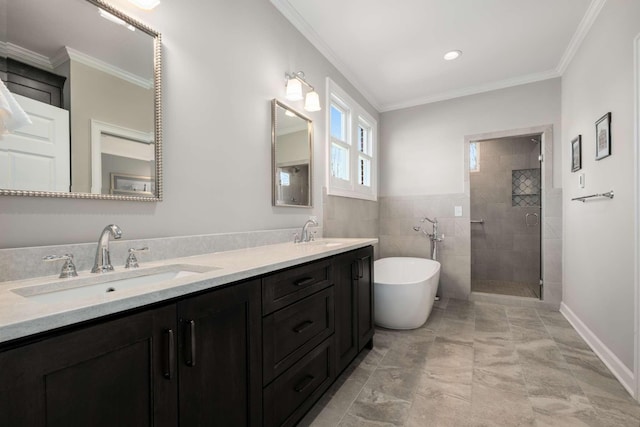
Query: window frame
point(356, 116)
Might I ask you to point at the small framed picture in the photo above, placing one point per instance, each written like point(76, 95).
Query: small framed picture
point(603, 137)
point(576, 153)
point(132, 185)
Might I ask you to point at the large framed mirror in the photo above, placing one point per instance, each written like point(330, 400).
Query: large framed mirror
point(89, 77)
point(291, 156)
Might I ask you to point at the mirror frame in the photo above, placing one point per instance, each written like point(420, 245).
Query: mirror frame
point(157, 108)
point(274, 122)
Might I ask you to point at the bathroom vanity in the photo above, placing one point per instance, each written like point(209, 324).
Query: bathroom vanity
point(255, 341)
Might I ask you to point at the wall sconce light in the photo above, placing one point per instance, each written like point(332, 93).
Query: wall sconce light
point(294, 91)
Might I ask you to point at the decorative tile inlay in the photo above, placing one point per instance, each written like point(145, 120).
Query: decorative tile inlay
point(525, 187)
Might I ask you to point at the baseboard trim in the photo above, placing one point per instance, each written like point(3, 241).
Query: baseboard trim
point(621, 372)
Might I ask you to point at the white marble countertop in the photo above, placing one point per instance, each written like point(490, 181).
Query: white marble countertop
point(21, 316)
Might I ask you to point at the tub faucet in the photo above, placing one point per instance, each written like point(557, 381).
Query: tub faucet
point(434, 236)
point(305, 236)
point(102, 263)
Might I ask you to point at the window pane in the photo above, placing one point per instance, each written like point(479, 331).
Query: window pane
point(364, 140)
point(339, 162)
point(337, 123)
point(284, 179)
point(474, 161)
point(364, 172)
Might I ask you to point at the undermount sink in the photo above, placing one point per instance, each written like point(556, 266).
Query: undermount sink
point(326, 243)
point(106, 285)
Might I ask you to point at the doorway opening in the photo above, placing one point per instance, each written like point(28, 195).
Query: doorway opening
point(505, 185)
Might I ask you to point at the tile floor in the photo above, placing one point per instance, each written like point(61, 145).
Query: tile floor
point(478, 364)
point(506, 288)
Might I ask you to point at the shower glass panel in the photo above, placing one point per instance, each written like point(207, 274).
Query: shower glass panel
point(506, 193)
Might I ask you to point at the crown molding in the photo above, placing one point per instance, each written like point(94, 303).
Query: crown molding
point(28, 57)
point(473, 90)
point(292, 15)
point(66, 53)
point(581, 32)
point(69, 53)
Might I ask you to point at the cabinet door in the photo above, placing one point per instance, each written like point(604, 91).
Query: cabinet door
point(366, 326)
point(117, 373)
point(346, 299)
point(220, 357)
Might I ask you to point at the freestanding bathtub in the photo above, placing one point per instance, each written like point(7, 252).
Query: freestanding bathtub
point(404, 291)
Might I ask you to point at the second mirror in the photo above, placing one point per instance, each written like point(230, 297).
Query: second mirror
point(292, 148)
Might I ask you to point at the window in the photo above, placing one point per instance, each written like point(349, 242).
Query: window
point(351, 153)
point(474, 157)
point(339, 141)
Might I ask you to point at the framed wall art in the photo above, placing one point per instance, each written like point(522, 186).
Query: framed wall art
point(576, 153)
point(131, 185)
point(603, 137)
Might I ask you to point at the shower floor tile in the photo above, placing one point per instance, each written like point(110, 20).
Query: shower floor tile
point(505, 288)
point(478, 365)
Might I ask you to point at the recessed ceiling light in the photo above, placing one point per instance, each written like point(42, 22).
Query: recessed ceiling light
point(453, 54)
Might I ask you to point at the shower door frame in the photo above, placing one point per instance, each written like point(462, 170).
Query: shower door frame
point(546, 149)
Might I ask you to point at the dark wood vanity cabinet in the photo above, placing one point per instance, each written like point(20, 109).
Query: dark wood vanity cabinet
point(298, 328)
point(196, 362)
point(258, 352)
point(353, 276)
point(220, 357)
point(116, 373)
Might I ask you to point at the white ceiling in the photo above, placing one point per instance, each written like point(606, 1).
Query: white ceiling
point(392, 51)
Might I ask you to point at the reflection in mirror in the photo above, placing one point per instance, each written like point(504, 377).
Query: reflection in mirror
point(89, 78)
point(292, 148)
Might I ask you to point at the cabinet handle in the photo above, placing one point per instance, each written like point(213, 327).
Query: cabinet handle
point(306, 381)
point(171, 354)
point(360, 268)
point(302, 326)
point(304, 282)
point(191, 343)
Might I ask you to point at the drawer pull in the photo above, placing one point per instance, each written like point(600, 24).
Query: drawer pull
point(171, 355)
point(304, 282)
point(191, 344)
point(306, 381)
point(302, 326)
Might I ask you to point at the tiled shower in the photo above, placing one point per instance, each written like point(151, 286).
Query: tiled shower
point(506, 194)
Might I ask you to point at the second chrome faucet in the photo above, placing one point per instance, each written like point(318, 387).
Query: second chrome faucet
point(102, 262)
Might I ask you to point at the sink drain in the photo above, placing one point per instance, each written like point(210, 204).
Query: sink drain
point(110, 289)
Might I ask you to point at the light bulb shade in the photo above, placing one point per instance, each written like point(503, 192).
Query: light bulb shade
point(312, 101)
point(294, 90)
point(146, 4)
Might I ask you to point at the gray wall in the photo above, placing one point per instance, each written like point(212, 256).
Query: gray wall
point(422, 172)
point(503, 248)
point(598, 250)
point(223, 63)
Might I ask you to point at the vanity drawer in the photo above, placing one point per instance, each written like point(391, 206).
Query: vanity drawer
point(291, 332)
point(288, 286)
point(288, 398)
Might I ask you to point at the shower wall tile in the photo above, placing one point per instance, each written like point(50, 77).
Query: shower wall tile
point(503, 248)
point(347, 217)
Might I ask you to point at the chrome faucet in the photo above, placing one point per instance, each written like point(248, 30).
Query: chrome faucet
point(434, 237)
point(305, 236)
point(102, 263)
